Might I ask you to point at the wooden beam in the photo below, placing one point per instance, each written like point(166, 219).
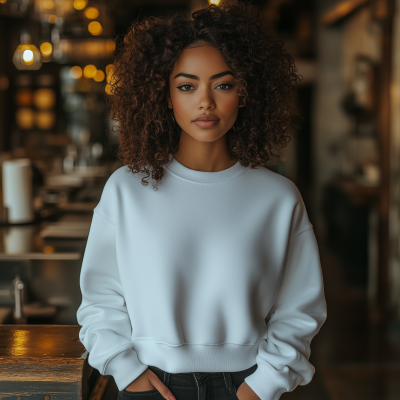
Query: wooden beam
point(383, 101)
point(342, 10)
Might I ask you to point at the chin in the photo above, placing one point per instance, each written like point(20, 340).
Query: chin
point(207, 135)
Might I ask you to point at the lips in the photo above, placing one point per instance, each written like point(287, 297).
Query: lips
point(206, 121)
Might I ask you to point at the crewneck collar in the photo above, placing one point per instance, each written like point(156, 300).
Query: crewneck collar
point(179, 170)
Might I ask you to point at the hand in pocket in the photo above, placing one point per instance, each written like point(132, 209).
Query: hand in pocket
point(149, 381)
point(245, 392)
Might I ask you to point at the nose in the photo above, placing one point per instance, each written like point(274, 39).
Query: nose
point(206, 100)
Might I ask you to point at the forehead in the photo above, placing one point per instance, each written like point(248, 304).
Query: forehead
point(202, 61)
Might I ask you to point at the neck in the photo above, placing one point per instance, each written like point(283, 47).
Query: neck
point(204, 156)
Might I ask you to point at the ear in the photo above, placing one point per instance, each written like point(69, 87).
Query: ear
point(169, 102)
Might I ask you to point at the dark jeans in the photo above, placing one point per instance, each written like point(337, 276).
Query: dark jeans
point(194, 385)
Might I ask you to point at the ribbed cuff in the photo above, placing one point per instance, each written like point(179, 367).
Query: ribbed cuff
point(266, 384)
point(125, 367)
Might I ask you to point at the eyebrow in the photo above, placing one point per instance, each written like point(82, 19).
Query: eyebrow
point(221, 74)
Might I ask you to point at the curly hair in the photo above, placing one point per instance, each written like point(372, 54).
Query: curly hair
point(265, 75)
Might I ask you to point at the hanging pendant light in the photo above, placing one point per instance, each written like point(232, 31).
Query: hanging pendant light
point(27, 55)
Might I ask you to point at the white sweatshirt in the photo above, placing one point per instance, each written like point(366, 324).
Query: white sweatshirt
point(213, 272)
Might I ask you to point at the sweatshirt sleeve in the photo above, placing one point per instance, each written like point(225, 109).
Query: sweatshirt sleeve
point(296, 317)
point(105, 324)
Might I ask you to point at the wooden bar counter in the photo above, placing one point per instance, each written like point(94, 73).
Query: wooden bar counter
point(48, 362)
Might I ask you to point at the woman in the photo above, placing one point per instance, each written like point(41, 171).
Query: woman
point(209, 284)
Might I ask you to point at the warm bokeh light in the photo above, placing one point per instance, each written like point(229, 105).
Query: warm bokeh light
point(108, 89)
point(110, 44)
point(89, 71)
point(25, 117)
point(99, 76)
point(48, 4)
point(109, 66)
point(27, 56)
point(45, 119)
point(52, 19)
point(46, 48)
point(216, 2)
point(76, 72)
point(3, 1)
point(91, 13)
point(44, 98)
point(80, 4)
point(24, 97)
point(110, 76)
point(48, 249)
point(95, 28)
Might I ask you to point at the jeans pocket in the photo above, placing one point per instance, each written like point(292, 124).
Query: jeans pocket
point(146, 394)
point(142, 391)
point(236, 390)
point(232, 388)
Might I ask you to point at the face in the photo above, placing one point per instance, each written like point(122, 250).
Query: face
point(202, 84)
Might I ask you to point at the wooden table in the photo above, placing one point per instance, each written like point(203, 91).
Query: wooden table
point(49, 362)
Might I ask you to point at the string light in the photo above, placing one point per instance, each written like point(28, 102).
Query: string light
point(95, 28)
point(111, 77)
point(46, 48)
point(80, 4)
point(99, 76)
point(91, 13)
point(108, 89)
point(109, 66)
point(89, 71)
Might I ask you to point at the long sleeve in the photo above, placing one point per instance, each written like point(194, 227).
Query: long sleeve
point(296, 317)
point(103, 316)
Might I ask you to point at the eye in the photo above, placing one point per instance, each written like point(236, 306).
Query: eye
point(225, 84)
point(182, 86)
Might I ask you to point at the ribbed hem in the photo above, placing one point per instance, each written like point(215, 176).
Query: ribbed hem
point(125, 367)
point(179, 170)
point(189, 357)
point(265, 383)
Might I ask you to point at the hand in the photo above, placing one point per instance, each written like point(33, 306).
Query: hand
point(245, 392)
point(149, 381)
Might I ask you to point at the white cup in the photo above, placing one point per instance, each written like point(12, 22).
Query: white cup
point(17, 190)
point(18, 239)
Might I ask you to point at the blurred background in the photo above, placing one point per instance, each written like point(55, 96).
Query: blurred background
point(57, 150)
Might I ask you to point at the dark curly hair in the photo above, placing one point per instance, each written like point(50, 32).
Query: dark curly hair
point(264, 72)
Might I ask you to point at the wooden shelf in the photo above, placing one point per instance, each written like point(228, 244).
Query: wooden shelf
point(49, 360)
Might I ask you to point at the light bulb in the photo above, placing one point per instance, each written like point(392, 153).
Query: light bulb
point(27, 56)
